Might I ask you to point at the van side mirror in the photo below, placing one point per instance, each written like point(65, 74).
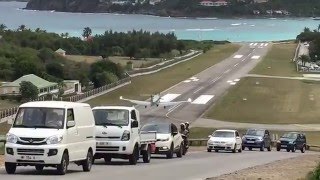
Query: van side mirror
point(10, 121)
point(134, 124)
point(70, 124)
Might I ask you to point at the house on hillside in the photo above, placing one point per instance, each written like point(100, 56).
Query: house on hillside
point(260, 1)
point(44, 86)
point(61, 52)
point(256, 12)
point(154, 2)
point(209, 3)
point(72, 86)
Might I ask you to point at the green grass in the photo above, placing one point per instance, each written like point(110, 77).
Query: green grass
point(81, 58)
point(270, 101)
point(278, 61)
point(157, 82)
point(312, 137)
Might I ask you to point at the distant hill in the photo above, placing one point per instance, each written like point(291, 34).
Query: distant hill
point(184, 8)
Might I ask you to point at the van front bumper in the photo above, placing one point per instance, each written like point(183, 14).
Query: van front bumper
point(43, 154)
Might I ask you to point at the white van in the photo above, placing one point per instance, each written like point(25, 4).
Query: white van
point(51, 134)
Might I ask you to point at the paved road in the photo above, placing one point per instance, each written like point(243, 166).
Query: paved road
point(207, 86)
point(193, 166)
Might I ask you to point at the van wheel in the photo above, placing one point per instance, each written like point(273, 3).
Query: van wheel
point(134, 156)
point(234, 149)
point(62, 168)
point(87, 163)
point(243, 147)
point(209, 150)
point(179, 153)
point(288, 150)
point(107, 159)
point(39, 167)
point(170, 152)
point(303, 149)
point(262, 147)
point(11, 167)
point(146, 155)
point(293, 149)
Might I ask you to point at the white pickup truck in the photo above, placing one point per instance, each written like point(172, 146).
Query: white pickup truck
point(118, 135)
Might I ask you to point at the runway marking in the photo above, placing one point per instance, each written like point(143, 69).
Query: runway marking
point(255, 57)
point(236, 80)
point(169, 97)
point(197, 90)
point(214, 80)
point(172, 109)
point(262, 44)
point(191, 79)
point(236, 65)
point(266, 44)
point(251, 44)
point(187, 81)
point(243, 60)
point(238, 56)
point(227, 71)
point(233, 83)
point(229, 81)
point(203, 99)
point(255, 44)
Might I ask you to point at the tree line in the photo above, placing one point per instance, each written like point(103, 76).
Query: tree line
point(313, 39)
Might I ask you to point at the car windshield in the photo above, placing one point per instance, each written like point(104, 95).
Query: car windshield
point(111, 117)
point(223, 134)
point(255, 132)
point(290, 135)
point(159, 128)
point(40, 118)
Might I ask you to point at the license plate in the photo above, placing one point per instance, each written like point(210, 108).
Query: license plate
point(104, 143)
point(250, 141)
point(28, 157)
point(283, 145)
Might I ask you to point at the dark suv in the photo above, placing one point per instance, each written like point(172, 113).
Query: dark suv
point(292, 141)
point(256, 138)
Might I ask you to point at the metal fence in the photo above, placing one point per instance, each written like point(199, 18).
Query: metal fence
point(11, 111)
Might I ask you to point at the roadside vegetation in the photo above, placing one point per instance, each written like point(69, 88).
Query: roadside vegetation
point(278, 61)
point(157, 82)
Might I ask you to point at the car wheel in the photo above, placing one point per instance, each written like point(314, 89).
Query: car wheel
point(250, 148)
point(216, 150)
point(87, 163)
point(293, 149)
point(170, 152)
point(146, 155)
point(303, 149)
point(240, 150)
point(134, 156)
point(262, 147)
point(39, 167)
point(10, 167)
point(278, 148)
point(209, 150)
point(107, 159)
point(179, 153)
point(288, 150)
point(62, 168)
point(243, 147)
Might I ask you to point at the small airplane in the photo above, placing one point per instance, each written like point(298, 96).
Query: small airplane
point(155, 100)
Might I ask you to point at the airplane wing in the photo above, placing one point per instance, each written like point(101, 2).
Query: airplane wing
point(142, 103)
point(172, 103)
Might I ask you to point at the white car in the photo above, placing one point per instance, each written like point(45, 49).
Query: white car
point(228, 140)
point(169, 140)
point(51, 134)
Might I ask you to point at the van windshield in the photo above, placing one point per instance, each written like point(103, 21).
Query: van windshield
point(111, 117)
point(40, 118)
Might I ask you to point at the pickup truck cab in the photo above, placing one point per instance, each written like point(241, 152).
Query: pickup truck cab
point(118, 134)
point(292, 141)
point(51, 134)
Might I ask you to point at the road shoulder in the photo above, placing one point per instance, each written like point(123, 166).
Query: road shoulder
point(288, 169)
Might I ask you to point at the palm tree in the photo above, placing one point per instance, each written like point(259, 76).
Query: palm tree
point(22, 27)
point(86, 32)
point(3, 27)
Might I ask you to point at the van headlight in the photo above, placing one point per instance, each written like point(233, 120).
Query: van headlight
point(54, 139)
point(11, 138)
point(125, 136)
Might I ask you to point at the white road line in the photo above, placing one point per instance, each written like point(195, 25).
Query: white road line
point(266, 44)
point(262, 44)
point(169, 97)
point(238, 56)
point(255, 57)
point(255, 44)
point(236, 80)
point(227, 71)
point(197, 90)
point(236, 65)
point(251, 44)
point(187, 81)
point(203, 99)
point(172, 109)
